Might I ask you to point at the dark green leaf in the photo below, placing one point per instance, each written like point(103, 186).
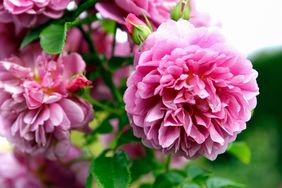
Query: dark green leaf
point(30, 37)
point(138, 167)
point(197, 175)
point(241, 150)
point(123, 121)
point(111, 172)
point(104, 128)
point(117, 62)
point(194, 171)
point(168, 180)
point(52, 38)
point(146, 186)
point(127, 137)
point(216, 182)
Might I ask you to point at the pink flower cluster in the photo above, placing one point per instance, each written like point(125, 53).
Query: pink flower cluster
point(37, 111)
point(27, 13)
point(191, 93)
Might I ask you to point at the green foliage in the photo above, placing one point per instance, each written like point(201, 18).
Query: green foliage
point(116, 63)
point(108, 25)
point(168, 180)
point(110, 172)
point(241, 150)
point(127, 137)
point(104, 128)
point(52, 38)
point(31, 36)
point(143, 165)
point(216, 182)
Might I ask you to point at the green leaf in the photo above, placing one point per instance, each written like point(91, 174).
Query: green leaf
point(108, 25)
point(123, 121)
point(241, 150)
point(52, 38)
point(31, 36)
point(111, 172)
point(197, 174)
point(189, 185)
point(194, 171)
point(104, 128)
point(146, 186)
point(216, 182)
point(116, 63)
point(138, 168)
point(168, 180)
point(127, 137)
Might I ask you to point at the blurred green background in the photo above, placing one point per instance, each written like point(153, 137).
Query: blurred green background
point(263, 130)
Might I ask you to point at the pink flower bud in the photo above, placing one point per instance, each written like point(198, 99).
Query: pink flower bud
point(78, 83)
point(138, 30)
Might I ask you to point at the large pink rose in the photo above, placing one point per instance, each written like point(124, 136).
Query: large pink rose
point(157, 11)
point(37, 111)
point(27, 13)
point(191, 93)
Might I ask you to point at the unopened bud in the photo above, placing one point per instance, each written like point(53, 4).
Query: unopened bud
point(138, 30)
point(78, 83)
point(181, 10)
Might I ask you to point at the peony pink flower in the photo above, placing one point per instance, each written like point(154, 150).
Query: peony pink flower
point(27, 13)
point(37, 111)
point(157, 11)
point(191, 93)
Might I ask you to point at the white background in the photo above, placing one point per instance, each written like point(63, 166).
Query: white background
point(247, 24)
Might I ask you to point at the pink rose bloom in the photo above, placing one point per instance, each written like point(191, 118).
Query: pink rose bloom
point(191, 93)
point(27, 13)
point(37, 111)
point(157, 11)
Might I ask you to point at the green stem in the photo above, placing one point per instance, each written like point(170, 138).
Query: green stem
point(168, 160)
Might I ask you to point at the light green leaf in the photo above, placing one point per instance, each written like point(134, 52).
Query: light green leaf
point(216, 182)
point(241, 150)
point(52, 38)
point(188, 185)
